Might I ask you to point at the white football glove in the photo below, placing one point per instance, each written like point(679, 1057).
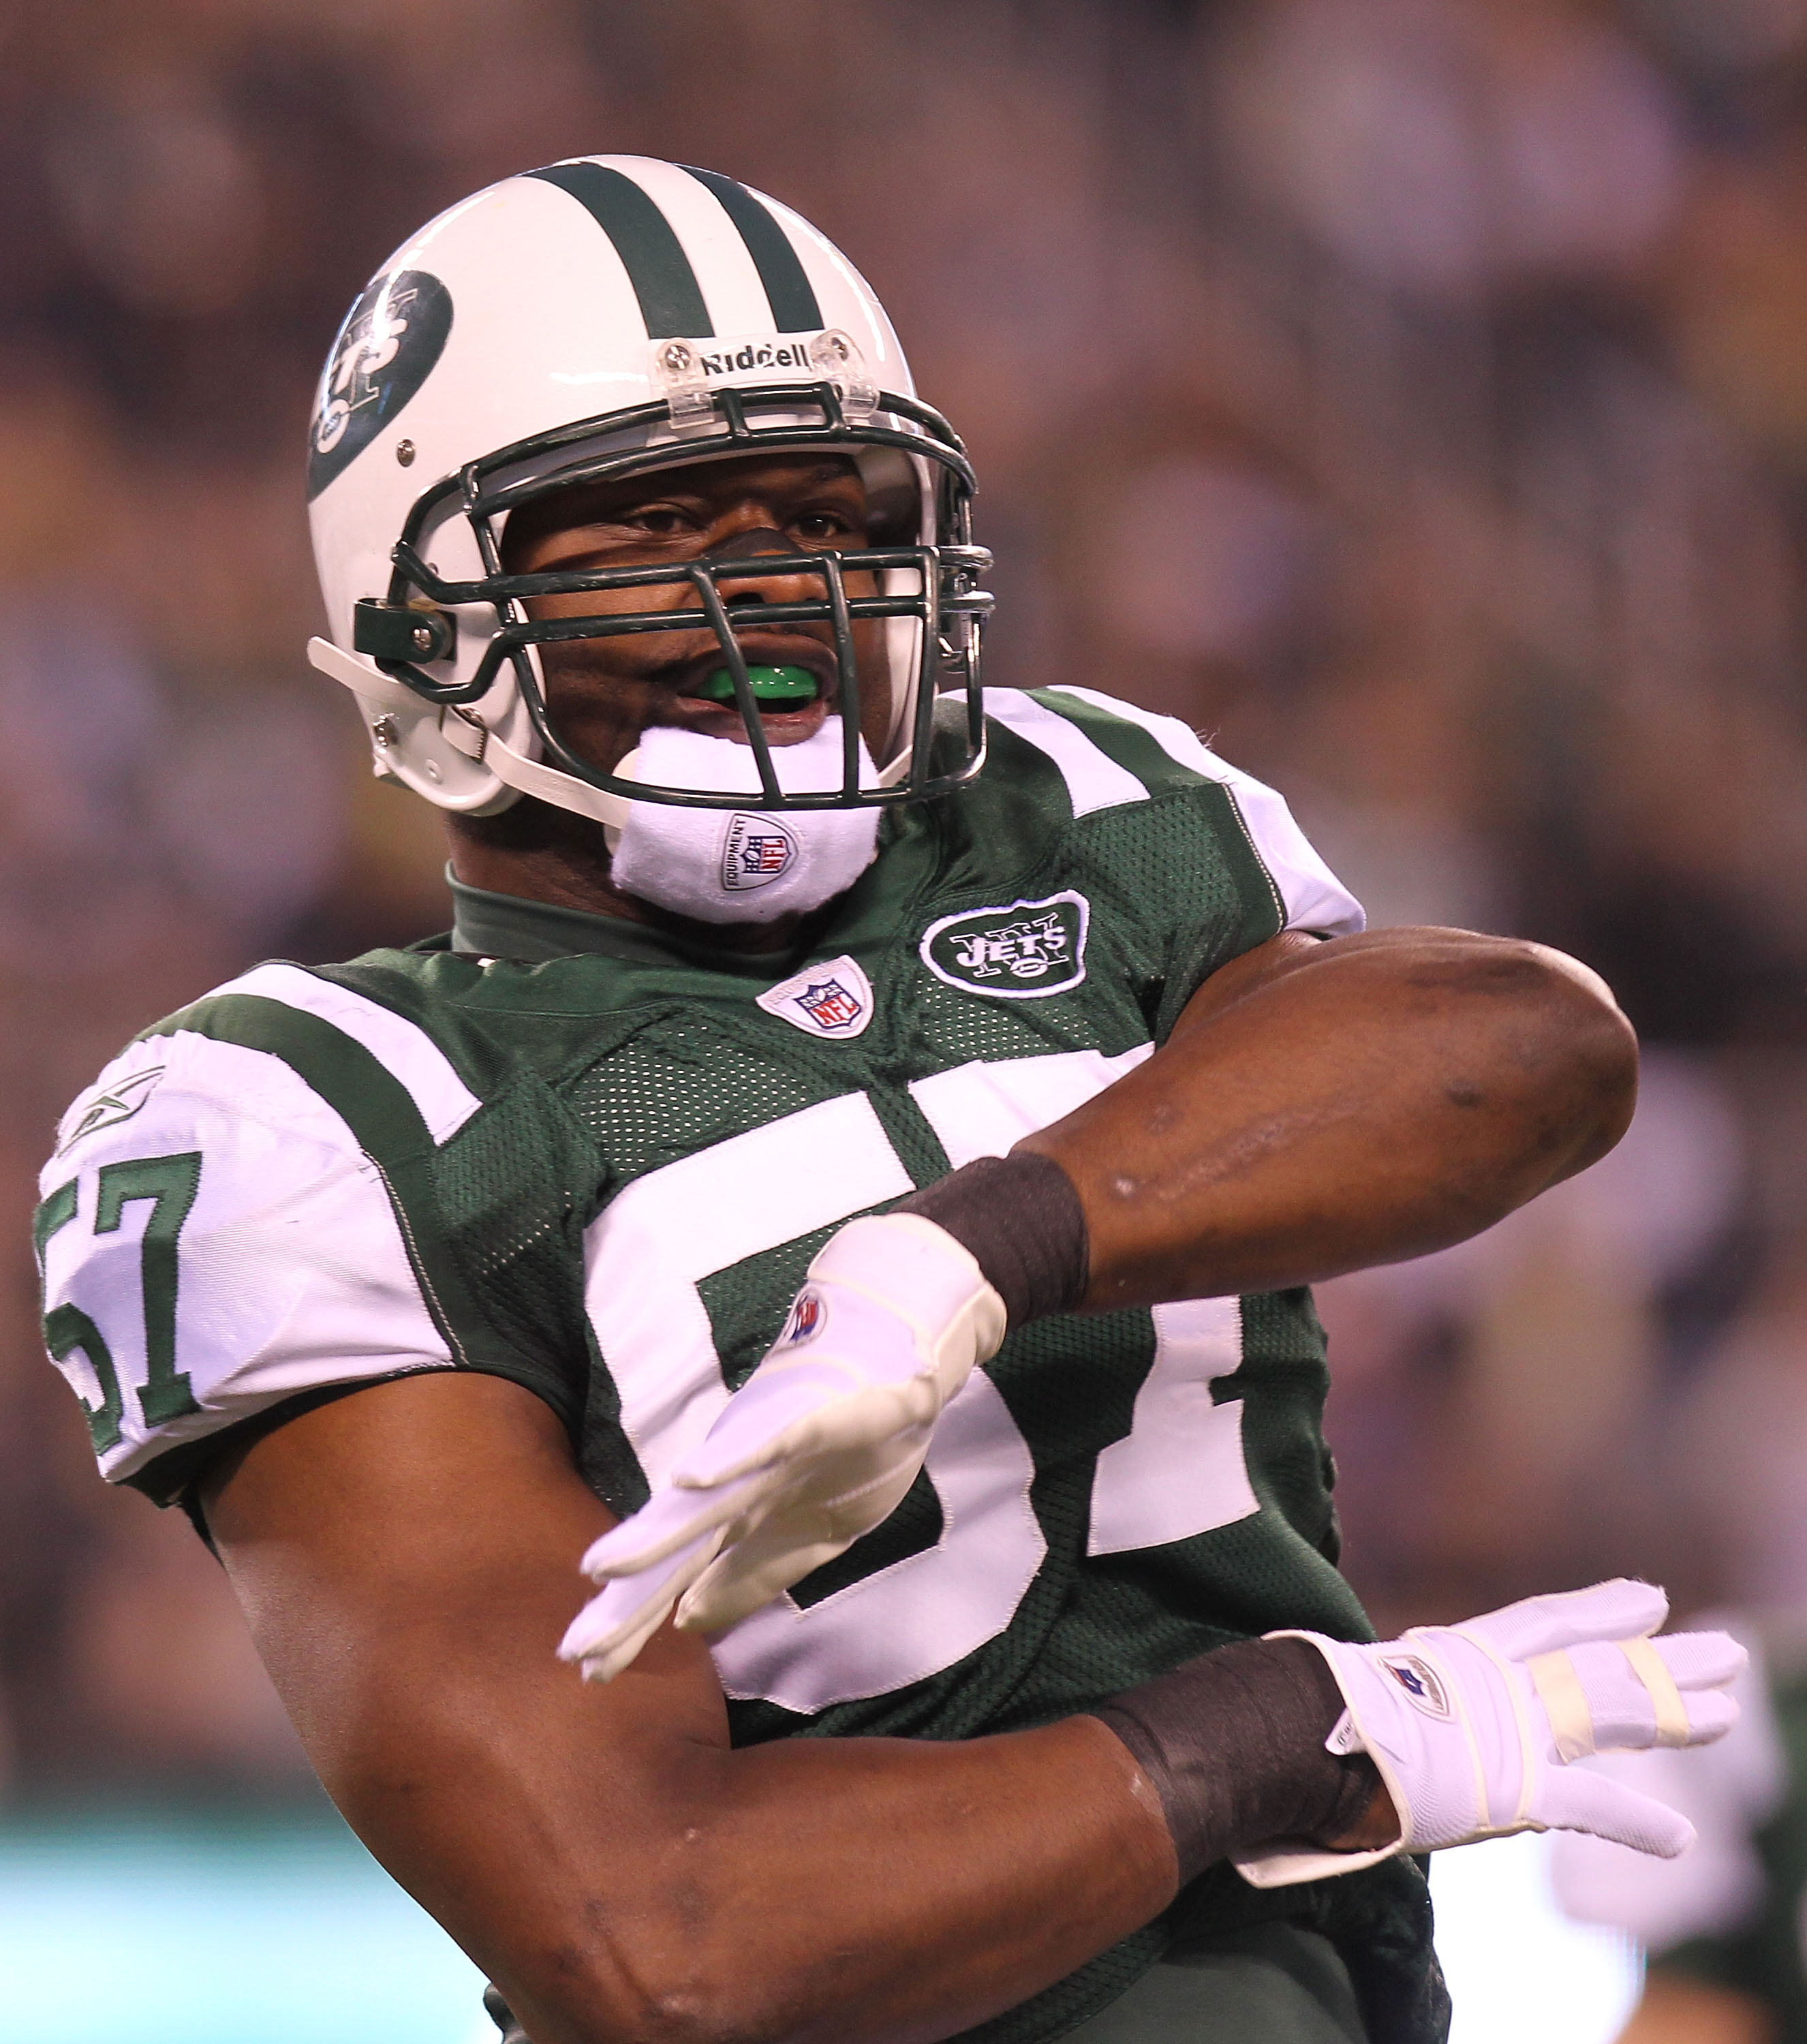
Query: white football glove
point(817, 1446)
point(1472, 1726)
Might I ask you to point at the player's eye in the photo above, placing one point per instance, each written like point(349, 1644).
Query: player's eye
point(821, 528)
point(658, 521)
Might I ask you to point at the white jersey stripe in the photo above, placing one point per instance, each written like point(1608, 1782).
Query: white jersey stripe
point(1316, 899)
point(1093, 779)
point(645, 1251)
point(980, 1109)
point(401, 1047)
point(907, 1622)
point(1180, 1470)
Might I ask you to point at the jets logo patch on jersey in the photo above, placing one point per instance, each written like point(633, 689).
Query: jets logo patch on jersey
point(1019, 950)
point(831, 1000)
point(1421, 1682)
point(755, 851)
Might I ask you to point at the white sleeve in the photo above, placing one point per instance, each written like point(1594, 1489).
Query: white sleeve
point(1315, 899)
point(203, 1191)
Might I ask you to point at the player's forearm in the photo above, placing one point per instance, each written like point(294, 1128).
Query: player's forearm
point(814, 1892)
point(622, 1871)
point(884, 1890)
point(1374, 1099)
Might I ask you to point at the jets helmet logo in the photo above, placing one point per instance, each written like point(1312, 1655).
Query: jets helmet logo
point(755, 851)
point(389, 342)
point(1020, 950)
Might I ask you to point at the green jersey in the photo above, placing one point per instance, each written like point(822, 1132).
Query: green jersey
point(565, 1150)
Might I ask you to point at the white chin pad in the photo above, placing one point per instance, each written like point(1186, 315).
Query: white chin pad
point(742, 865)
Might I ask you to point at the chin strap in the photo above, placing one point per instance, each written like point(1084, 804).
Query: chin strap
point(529, 777)
point(514, 770)
point(476, 741)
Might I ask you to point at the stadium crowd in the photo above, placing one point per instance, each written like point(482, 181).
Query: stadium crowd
point(1408, 393)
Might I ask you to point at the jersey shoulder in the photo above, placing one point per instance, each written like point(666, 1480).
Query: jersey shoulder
point(1087, 755)
point(253, 1203)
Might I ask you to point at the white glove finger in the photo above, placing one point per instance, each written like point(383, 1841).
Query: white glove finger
point(787, 1546)
point(748, 1577)
point(1702, 1660)
point(752, 1429)
point(612, 1628)
point(1621, 1704)
point(800, 1417)
point(1621, 1609)
point(668, 1520)
point(1606, 1695)
point(1578, 1799)
point(1711, 1715)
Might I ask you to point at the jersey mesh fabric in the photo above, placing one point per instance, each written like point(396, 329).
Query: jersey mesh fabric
point(639, 1118)
point(597, 1072)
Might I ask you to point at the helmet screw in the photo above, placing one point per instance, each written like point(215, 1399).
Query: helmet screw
point(385, 731)
point(676, 357)
point(423, 639)
point(405, 453)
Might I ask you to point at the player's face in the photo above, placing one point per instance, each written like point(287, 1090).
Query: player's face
point(603, 693)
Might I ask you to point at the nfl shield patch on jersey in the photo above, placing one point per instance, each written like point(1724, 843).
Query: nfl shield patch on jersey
point(1020, 950)
point(831, 1000)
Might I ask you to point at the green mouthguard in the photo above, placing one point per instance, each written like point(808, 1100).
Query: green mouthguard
point(770, 685)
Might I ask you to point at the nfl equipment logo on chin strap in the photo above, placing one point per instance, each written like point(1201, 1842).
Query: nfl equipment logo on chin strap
point(755, 851)
point(830, 1000)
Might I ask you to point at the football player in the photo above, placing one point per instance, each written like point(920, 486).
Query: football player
point(848, 1176)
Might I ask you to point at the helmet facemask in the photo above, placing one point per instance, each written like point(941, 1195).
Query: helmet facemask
point(925, 576)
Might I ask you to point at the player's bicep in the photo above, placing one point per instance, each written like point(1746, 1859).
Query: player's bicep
point(1247, 975)
point(405, 1559)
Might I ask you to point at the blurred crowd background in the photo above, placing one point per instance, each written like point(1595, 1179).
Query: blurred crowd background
point(1411, 393)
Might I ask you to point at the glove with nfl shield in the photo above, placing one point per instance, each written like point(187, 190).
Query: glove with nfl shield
point(1472, 1727)
point(817, 1446)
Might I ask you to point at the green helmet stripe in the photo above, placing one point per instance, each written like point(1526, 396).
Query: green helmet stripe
point(789, 292)
point(670, 299)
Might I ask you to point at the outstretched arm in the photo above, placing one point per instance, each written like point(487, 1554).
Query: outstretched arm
point(1324, 1107)
point(404, 1556)
point(625, 1875)
point(1320, 1108)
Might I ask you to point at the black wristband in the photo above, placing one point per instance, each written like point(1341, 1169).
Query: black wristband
point(1233, 1745)
point(1021, 1220)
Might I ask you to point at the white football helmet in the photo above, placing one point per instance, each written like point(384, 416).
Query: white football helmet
point(599, 318)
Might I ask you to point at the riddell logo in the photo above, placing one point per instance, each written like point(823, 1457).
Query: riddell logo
point(755, 851)
point(755, 355)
